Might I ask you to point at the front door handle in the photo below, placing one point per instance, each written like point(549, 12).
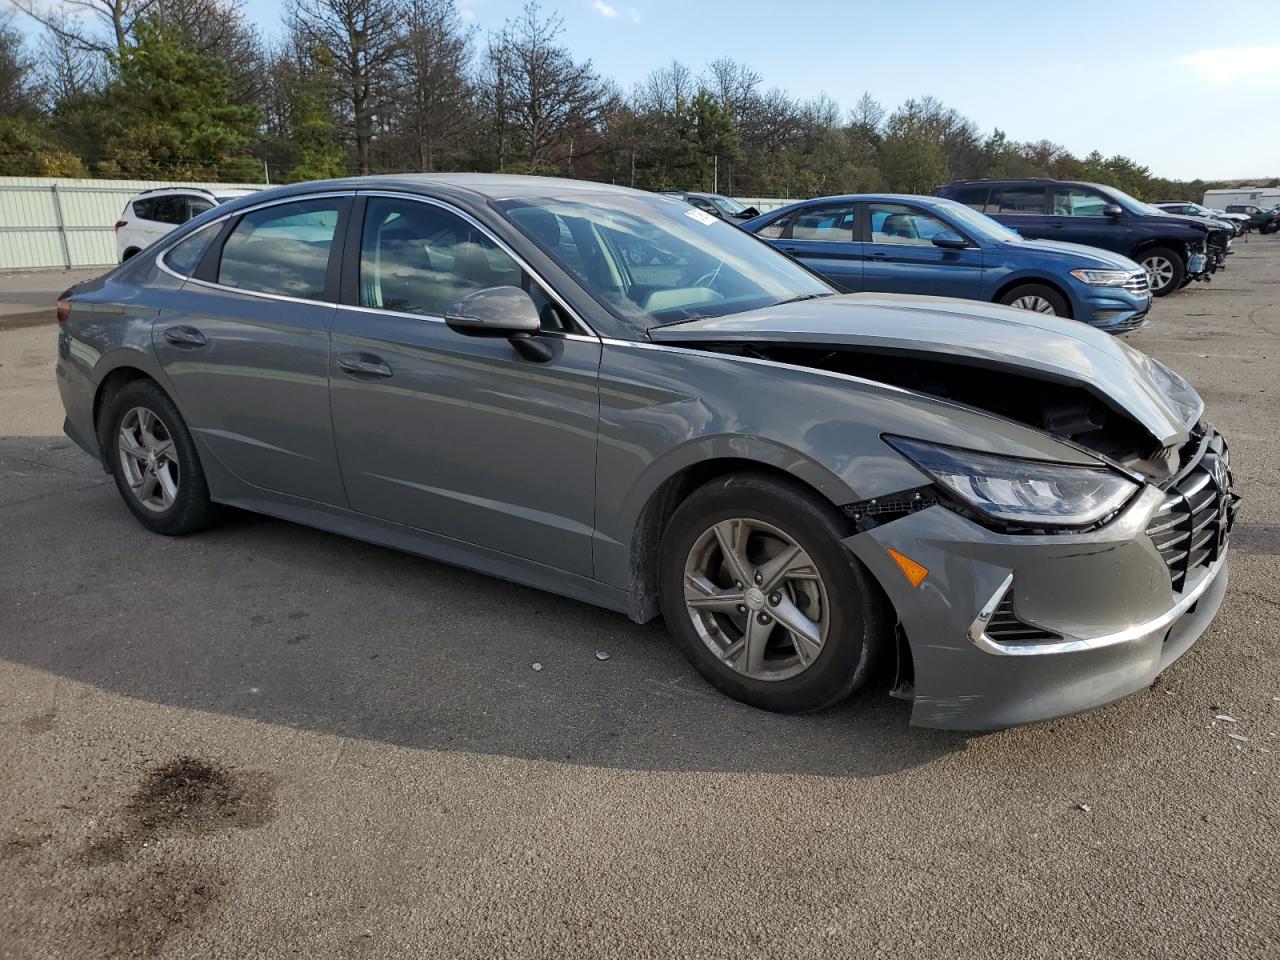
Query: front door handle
point(185, 337)
point(364, 366)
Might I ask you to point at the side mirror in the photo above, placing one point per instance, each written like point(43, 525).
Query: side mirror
point(501, 312)
point(494, 312)
point(949, 241)
point(1113, 210)
point(749, 213)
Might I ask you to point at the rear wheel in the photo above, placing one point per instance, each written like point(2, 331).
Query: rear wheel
point(1037, 298)
point(764, 600)
point(1166, 270)
point(154, 461)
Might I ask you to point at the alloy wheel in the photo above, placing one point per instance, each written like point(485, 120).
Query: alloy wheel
point(1159, 272)
point(1035, 304)
point(149, 459)
point(756, 599)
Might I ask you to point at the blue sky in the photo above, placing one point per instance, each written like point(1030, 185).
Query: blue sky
point(1186, 87)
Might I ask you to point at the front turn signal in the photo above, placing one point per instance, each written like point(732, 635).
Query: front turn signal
point(913, 571)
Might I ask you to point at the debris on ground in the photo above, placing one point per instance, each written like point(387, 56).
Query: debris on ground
point(1236, 736)
point(602, 655)
point(1085, 807)
point(1226, 718)
point(537, 668)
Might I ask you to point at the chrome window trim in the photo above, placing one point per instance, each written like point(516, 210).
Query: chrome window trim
point(159, 258)
point(584, 331)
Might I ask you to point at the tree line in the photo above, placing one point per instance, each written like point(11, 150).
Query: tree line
point(188, 89)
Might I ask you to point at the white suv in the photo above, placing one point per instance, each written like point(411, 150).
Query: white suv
point(153, 213)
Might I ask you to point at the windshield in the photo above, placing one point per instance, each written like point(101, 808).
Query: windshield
point(656, 261)
point(979, 223)
point(728, 205)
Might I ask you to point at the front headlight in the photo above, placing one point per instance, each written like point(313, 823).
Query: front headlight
point(1034, 492)
point(1103, 278)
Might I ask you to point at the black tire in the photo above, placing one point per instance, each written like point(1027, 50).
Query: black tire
point(856, 621)
point(1046, 294)
point(191, 509)
point(1174, 279)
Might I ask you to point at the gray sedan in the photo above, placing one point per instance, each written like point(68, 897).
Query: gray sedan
point(617, 397)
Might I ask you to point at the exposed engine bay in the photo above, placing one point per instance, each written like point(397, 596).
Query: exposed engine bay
point(1069, 411)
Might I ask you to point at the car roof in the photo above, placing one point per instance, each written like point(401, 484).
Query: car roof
point(495, 186)
point(921, 198)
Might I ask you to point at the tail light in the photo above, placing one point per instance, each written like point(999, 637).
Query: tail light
point(119, 224)
point(64, 306)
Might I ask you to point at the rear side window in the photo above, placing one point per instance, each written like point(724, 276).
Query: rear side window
point(971, 196)
point(1015, 200)
point(184, 255)
point(282, 249)
point(829, 222)
point(168, 209)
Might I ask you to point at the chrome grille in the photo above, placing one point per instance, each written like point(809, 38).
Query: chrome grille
point(1191, 526)
point(1138, 283)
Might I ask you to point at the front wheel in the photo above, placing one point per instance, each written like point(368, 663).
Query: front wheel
point(1037, 298)
point(764, 600)
point(1166, 270)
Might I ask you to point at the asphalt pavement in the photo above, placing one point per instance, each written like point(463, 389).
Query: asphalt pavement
point(267, 741)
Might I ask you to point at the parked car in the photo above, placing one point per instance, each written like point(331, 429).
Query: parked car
point(1228, 221)
point(153, 213)
point(1173, 250)
point(1239, 220)
point(597, 392)
point(726, 208)
point(909, 244)
point(1258, 216)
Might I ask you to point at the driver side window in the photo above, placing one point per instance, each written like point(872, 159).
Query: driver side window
point(419, 258)
point(1075, 202)
point(895, 223)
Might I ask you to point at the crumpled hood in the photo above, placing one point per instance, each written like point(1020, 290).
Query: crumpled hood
point(971, 333)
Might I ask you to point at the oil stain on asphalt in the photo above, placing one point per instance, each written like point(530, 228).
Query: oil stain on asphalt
point(142, 878)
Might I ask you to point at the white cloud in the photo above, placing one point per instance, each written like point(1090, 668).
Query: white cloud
point(605, 10)
point(467, 15)
point(633, 15)
point(1224, 66)
point(465, 11)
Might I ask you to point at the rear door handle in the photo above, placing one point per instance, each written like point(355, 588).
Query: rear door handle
point(364, 366)
point(185, 337)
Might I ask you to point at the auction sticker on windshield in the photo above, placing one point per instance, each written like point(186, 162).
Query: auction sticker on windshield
point(700, 215)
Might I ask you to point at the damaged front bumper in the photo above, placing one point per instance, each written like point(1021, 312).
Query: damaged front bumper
point(1014, 628)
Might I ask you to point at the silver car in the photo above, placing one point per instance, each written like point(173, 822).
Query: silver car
point(617, 397)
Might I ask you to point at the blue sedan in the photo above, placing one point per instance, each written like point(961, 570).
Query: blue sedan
point(927, 245)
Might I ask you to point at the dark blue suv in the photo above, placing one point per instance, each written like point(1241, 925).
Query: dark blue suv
point(925, 245)
point(1173, 249)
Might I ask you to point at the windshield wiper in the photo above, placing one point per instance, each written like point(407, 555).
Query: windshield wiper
point(803, 296)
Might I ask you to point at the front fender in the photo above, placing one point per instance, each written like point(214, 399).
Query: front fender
point(664, 409)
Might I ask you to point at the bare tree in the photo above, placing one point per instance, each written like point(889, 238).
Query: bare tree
point(113, 20)
point(435, 99)
point(548, 100)
point(20, 92)
point(365, 38)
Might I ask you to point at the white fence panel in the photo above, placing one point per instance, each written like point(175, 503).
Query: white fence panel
point(61, 222)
